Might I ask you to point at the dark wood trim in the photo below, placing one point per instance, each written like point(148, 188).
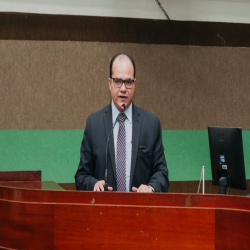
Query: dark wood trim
point(184, 187)
point(23, 26)
point(20, 176)
point(192, 187)
point(67, 186)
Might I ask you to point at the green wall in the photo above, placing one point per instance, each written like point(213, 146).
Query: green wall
point(56, 153)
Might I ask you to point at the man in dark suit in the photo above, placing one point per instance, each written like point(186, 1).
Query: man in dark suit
point(135, 160)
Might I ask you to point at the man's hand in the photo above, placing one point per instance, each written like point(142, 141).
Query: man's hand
point(142, 189)
point(99, 186)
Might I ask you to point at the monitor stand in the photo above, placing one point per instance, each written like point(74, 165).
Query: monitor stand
point(223, 185)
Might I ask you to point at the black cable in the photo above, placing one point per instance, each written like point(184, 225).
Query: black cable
point(165, 13)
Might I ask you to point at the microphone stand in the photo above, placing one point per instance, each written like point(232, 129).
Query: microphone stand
point(106, 169)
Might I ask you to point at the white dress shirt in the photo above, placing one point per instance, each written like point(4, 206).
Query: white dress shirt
point(128, 128)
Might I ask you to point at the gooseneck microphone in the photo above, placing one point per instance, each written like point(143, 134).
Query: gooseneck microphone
point(123, 107)
point(107, 144)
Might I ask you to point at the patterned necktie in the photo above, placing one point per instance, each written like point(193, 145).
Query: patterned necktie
point(121, 154)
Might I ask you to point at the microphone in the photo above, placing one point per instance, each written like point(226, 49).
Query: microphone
point(106, 169)
point(123, 107)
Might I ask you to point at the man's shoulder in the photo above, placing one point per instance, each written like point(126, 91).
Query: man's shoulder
point(99, 114)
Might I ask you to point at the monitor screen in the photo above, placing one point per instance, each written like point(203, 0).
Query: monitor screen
point(226, 154)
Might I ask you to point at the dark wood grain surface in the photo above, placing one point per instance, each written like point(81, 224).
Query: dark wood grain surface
point(54, 219)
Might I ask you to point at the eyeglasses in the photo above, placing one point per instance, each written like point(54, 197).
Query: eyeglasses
point(118, 82)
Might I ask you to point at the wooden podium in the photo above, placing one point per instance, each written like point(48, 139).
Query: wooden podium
point(34, 218)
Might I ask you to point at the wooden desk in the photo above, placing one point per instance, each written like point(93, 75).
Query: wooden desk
point(57, 219)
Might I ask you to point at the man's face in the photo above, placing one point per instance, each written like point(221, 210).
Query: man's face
point(123, 69)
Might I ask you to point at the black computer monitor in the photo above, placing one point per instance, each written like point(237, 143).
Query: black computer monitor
point(227, 158)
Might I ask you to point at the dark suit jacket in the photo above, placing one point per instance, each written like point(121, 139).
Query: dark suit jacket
point(148, 165)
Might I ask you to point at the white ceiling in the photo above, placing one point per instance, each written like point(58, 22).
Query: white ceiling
point(235, 11)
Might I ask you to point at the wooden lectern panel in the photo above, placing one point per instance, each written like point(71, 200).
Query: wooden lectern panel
point(232, 229)
point(157, 199)
point(133, 227)
point(26, 225)
point(54, 219)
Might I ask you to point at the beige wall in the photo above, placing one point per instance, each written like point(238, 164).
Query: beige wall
point(56, 85)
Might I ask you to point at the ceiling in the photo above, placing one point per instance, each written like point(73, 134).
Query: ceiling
point(234, 11)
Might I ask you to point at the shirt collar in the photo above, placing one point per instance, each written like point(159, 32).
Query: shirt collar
point(115, 112)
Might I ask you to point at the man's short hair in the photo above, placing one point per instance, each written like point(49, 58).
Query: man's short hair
point(113, 59)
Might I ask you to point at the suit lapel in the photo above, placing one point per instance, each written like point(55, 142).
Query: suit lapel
point(136, 127)
point(108, 127)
